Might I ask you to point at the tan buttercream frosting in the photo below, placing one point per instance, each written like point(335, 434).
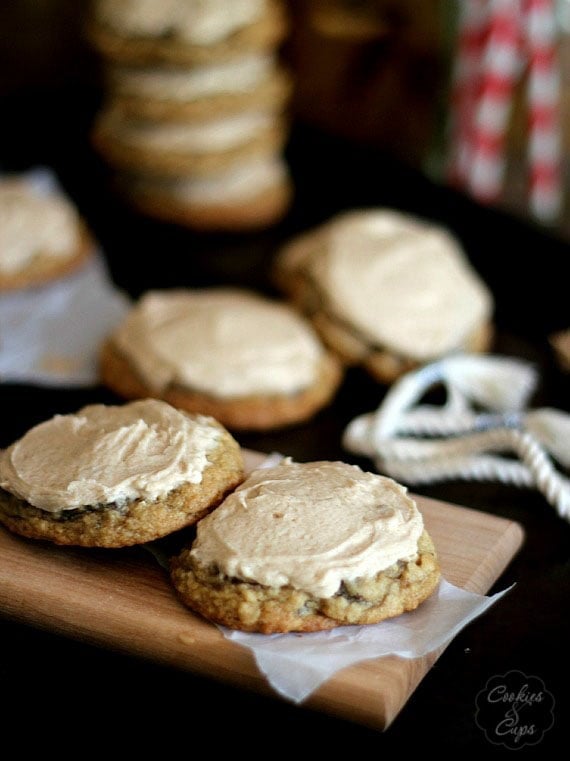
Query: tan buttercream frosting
point(32, 224)
point(108, 454)
point(200, 22)
point(401, 282)
point(310, 526)
point(238, 75)
point(213, 134)
point(222, 341)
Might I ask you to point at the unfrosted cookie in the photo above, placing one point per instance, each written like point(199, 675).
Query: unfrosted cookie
point(249, 194)
point(305, 547)
point(185, 31)
point(386, 290)
point(42, 236)
point(250, 361)
point(188, 145)
point(114, 476)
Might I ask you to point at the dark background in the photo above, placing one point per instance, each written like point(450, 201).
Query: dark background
point(67, 697)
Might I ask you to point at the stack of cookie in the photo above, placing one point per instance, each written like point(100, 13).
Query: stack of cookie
point(194, 119)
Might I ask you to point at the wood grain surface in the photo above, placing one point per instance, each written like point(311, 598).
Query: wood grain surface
point(123, 600)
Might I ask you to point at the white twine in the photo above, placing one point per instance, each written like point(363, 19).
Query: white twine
point(501, 385)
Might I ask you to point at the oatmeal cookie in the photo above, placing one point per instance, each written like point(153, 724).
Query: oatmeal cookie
point(42, 236)
point(306, 547)
point(116, 476)
point(386, 291)
point(249, 361)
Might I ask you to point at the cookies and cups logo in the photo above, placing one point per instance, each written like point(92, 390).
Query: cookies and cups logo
point(514, 710)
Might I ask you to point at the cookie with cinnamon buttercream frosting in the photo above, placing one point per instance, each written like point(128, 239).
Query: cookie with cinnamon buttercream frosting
point(115, 476)
point(248, 194)
point(250, 361)
point(195, 117)
point(42, 236)
point(199, 146)
point(386, 290)
point(307, 547)
point(175, 93)
point(185, 31)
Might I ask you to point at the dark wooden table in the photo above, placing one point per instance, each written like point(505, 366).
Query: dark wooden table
point(66, 696)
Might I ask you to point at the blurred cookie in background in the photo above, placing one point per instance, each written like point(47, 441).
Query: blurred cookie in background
point(196, 145)
point(386, 290)
point(251, 362)
point(248, 80)
point(42, 235)
point(184, 31)
point(200, 118)
point(247, 194)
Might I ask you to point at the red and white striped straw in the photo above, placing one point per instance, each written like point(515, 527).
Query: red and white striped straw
point(500, 65)
point(472, 27)
point(544, 140)
point(498, 41)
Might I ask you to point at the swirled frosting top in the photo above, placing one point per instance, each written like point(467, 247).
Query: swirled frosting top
point(400, 282)
point(223, 341)
point(200, 22)
point(104, 454)
point(310, 526)
point(33, 224)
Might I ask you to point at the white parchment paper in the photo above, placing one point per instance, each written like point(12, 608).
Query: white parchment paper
point(295, 665)
point(51, 335)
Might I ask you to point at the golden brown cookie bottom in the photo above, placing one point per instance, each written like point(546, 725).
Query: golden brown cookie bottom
point(246, 413)
point(134, 522)
point(43, 268)
point(269, 610)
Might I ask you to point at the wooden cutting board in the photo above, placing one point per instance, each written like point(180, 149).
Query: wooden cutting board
point(122, 600)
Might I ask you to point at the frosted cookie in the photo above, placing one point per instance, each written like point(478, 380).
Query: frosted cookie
point(189, 145)
point(249, 194)
point(386, 290)
point(252, 80)
point(113, 476)
point(251, 362)
point(42, 236)
point(185, 31)
point(308, 546)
